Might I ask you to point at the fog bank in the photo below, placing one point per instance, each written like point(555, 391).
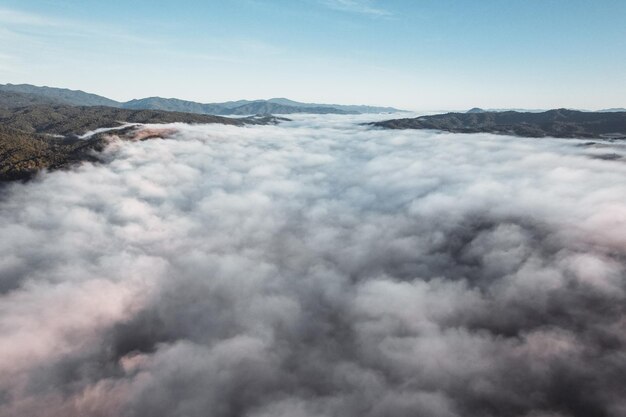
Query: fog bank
point(318, 268)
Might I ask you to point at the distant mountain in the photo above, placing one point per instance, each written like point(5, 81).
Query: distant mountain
point(174, 104)
point(10, 100)
point(50, 95)
point(481, 110)
point(612, 110)
point(61, 95)
point(267, 107)
point(561, 123)
point(348, 108)
point(75, 120)
point(242, 107)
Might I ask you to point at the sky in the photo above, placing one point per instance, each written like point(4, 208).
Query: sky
point(416, 55)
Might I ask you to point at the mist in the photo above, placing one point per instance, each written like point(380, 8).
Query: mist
point(318, 268)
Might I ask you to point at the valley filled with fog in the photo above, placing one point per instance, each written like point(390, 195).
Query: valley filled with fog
point(319, 267)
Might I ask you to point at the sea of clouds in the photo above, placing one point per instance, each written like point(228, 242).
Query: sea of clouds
point(318, 268)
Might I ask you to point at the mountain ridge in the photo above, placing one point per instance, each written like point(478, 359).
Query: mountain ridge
point(560, 123)
point(61, 95)
point(278, 105)
point(58, 136)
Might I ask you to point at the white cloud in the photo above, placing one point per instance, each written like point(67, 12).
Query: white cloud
point(365, 7)
point(39, 26)
point(317, 268)
point(17, 17)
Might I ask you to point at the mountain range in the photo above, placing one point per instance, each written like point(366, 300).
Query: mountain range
point(479, 110)
point(27, 94)
point(44, 136)
point(55, 128)
point(560, 123)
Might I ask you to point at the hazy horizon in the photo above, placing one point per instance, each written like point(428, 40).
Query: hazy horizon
point(416, 111)
point(441, 55)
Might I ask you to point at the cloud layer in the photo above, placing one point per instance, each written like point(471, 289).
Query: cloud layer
point(318, 268)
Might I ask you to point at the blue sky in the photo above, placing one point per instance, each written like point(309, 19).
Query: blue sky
point(415, 54)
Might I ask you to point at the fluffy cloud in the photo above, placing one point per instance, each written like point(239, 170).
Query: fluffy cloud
point(317, 268)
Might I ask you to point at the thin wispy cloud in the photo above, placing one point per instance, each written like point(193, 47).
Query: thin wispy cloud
point(33, 31)
point(41, 25)
point(17, 17)
point(358, 6)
